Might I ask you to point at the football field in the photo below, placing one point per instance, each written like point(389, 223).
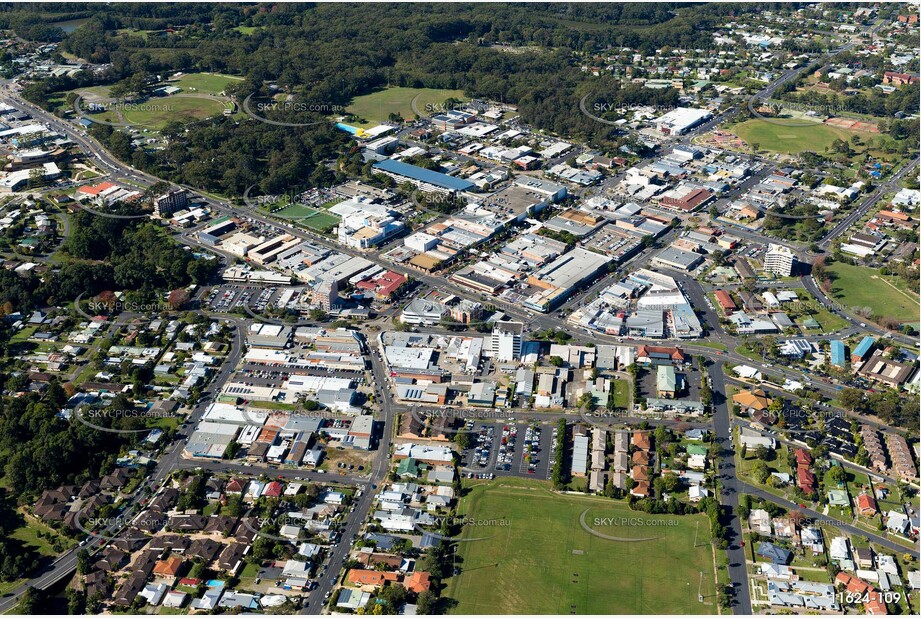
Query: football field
point(536, 556)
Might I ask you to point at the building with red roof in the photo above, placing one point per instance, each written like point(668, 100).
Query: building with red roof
point(646, 354)
point(384, 286)
point(273, 490)
point(418, 581)
point(725, 301)
point(803, 458)
point(899, 79)
point(94, 190)
point(866, 505)
point(805, 480)
point(365, 577)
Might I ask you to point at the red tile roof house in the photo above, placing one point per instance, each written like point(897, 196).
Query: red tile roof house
point(874, 605)
point(805, 480)
point(371, 579)
point(866, 505)
point(235, 487)
point(418, 582)
point(641, 440)
point(273, 490)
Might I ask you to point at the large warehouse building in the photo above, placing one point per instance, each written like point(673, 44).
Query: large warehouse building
point(426, 180)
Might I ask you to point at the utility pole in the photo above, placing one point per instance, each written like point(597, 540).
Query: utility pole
point(700, 597)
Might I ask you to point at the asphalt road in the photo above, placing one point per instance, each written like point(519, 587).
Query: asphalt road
point(363, 505)
point(844, 527)
point(730, 486)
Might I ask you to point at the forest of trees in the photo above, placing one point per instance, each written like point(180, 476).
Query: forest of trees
point(38, 451)
point(317, 53)
point(107, 254)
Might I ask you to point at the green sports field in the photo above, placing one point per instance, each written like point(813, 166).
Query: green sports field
point(543, 561)
point(157, 112)
point(857, 286)
point(376, 107)
point(789, 136)
point(318, 220)
point(206, 83)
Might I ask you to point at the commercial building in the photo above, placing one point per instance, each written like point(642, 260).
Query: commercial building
point(686, 197)
point(384, 285)
point(577, 222)
point(553, 191)
point(505, 343)
point(426, 180)
point(325, 295)
point(666, 382)
point(563, 276)
point(364, 224)
point(210, 440)
point(678, 259)
point(267, 251)
point(681, 120)
point(423, 312)
point(779, 260)
point(273, 336)
point(22, 179)
point(171, 201)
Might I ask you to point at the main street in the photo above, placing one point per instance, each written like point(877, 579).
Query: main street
point(364, 503)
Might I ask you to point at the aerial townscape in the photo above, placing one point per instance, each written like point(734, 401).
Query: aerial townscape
point(460, 308)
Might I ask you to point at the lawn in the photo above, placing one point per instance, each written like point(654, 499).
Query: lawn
point(209, 83)
point(621, 393)
point(747, 352)
point(778, 463)
point(542, 561)
point(858, 286)
point(376, 107)
point(321, 222)
point(23, 335)
point(293, 211)
point(28, 534)
point(789, 136)
point(318, 220)
point(830, 322)
point(156, 112)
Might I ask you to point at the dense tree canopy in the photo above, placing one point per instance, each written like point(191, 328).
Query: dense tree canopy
point(316, 53)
